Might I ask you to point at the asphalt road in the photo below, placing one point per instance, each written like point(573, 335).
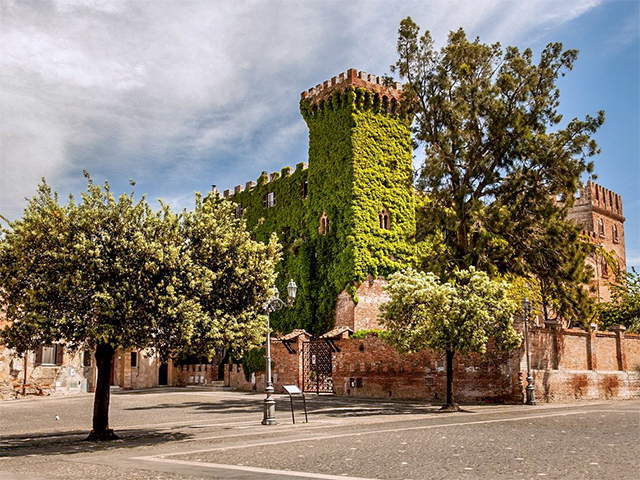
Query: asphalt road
point(199, 433)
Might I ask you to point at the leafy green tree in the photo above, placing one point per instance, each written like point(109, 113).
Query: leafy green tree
point(239, 273)
point(107, 273)
point(496, 155)
point(458, 316)
point(555, 255)
point(624, 309)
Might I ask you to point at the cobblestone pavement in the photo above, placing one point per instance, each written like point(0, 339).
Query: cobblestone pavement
point(198, 433)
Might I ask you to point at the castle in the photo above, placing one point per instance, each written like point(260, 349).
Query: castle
point(347, 218)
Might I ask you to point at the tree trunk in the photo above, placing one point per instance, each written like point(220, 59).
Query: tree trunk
point(101, 430)
point(449, 403)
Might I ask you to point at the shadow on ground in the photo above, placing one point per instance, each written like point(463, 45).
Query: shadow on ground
point(328, 405)
point(74, 442)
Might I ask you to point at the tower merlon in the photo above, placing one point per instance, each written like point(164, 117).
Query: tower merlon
point(353, 78)
point(606, 201)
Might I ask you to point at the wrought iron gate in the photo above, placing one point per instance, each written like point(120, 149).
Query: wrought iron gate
point(316, 367)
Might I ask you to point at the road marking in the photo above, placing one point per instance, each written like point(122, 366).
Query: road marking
point(368, 432)
point(268, 471)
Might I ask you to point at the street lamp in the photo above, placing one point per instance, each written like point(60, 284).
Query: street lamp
point(273, 305)
point(531, 394)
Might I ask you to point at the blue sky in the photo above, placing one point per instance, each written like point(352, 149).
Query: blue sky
point(182, 95)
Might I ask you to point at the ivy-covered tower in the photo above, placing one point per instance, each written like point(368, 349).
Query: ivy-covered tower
point(349, 218)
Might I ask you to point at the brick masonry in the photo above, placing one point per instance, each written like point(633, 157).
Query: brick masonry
point(599, 212)
point(566, 364)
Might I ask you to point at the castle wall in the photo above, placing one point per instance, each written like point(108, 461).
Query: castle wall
point(566, 365)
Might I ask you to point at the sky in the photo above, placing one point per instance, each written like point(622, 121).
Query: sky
point(179, 96)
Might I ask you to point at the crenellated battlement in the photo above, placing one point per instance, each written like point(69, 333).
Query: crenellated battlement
point(596, 196)
point(264, 179)
point(356, 79)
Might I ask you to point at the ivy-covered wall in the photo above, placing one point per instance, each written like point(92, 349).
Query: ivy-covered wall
point(359, 165)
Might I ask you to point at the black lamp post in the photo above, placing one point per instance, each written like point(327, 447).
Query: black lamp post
point(273, 305)
point(531, 394)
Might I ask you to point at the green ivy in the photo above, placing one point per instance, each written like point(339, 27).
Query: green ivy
point(359, 163)
point(372, 332)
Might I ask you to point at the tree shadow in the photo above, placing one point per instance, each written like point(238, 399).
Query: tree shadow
point(75, 442)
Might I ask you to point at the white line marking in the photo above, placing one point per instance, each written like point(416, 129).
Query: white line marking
point(368, 432)
point(288, 473)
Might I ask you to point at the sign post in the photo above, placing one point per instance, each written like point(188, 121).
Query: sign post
point(294, 390)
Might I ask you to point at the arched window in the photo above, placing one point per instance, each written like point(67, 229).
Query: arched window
point(601, 227)
point(605, 268)
point(384, 218)
point(323, 229)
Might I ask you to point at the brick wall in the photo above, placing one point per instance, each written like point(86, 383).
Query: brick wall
point(566, 365)
point(364, 314)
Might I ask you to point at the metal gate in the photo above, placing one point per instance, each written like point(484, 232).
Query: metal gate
point(316, 367)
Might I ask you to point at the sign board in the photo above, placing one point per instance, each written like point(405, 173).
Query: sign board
point(292, 389)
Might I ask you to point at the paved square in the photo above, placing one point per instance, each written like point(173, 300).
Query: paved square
point(200, 433)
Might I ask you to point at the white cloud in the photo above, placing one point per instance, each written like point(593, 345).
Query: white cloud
point(135, 88)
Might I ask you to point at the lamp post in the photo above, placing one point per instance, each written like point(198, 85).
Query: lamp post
point(531, 394)
point(273, 305)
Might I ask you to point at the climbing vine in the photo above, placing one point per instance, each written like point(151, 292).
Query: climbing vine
point(359, 165)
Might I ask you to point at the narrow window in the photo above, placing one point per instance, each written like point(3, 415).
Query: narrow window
point(304, 186)
point(384, 218)
point(269, 200)
point(601, 227)
point(134, 359)
point(614, 234)
point(323, 229)
point(605, 268)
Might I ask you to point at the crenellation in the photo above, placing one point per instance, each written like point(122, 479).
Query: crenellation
point(227, 193)
point(352, 78)
point(238, 189)
point(250, 185)
point(274, 176)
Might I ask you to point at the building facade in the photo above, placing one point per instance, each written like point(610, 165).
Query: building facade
point(348, 218)
point(598, 211)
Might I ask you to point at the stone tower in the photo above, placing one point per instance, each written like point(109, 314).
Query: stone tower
point(599, 212)
point(347, 218)
point(361, 208)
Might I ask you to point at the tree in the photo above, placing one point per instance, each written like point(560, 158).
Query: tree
point(457, 316)
point(109, 273)
point(555, 255)
point(625, 307)
point(240, 275)
point(496, 157)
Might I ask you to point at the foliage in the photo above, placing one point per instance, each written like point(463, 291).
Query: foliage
point(239, 273)
point(496, 156)
point(107, 273)
point(254, 360)
point(556, 255)
point(371, 332)
point(103, 270)
point(359, 164)
point(624, 309)
point(460, 315)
